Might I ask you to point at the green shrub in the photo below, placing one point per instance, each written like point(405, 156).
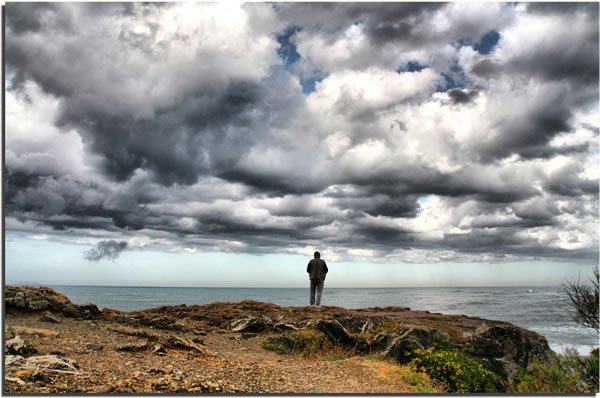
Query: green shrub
point(590, 368)
point(457, 370)
point(570, 373)
point(301, 342)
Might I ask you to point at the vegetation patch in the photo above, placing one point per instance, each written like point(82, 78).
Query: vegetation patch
point(402, 379)
point(569, 374)
point(457, 370)
point(301, 342)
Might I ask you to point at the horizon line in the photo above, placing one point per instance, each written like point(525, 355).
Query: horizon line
point(285, 287)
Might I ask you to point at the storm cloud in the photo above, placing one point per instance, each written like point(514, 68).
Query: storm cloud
point(110, 249)
point(418, 132)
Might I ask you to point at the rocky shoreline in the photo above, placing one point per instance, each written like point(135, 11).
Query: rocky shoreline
point(53, 345)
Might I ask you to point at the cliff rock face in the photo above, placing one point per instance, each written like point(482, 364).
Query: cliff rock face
point(389, 332)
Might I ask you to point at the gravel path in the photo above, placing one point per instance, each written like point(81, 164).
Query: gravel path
point(241, 364)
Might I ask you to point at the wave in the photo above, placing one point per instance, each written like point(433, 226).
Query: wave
point(583, 350)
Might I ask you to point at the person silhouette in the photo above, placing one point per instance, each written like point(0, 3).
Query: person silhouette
point(317, 269)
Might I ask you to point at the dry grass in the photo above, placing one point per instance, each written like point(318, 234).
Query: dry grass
point(401, 379)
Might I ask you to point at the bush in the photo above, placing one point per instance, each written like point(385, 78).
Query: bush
point(583, 298)
point(569, 374)
point(302, 342)
point(457, 370)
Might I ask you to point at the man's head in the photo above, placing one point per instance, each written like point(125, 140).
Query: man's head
point(317, 255)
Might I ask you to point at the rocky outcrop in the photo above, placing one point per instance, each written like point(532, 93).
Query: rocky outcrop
point(504, 349)
point(25, 298)
point(409, 339)
point(390, 332)
point(335, 332)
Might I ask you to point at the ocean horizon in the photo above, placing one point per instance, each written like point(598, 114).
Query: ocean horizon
point(542, 309)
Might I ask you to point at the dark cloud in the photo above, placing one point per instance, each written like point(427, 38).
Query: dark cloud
point(560, 8)
point(223, 152)
point(109, 249)
point(459, 96)
point(486, 68)
point(32, 17)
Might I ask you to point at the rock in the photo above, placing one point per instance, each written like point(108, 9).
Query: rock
point(481, 329)
point(503, 349)
point(50, 319)
point(400, 349)
point(89, 311)
point(70, 310)
point(16, 300)
point(180, 327)
point(413, 338)
point(133, 332)
point(250, 325)
point(16, 346)
point(35, 332)
point(84, 311)
point(52, 362)
point(160, 322)
point(132, 347)
point(199, 332)
point(158, 350)
point(379, 342)
point(335, 332)
point(13, 360)
point(38, 304)
point(94, 347)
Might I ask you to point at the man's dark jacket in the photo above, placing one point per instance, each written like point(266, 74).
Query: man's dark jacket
point(317, 269)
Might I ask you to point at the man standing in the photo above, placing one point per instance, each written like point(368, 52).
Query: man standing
point(317, 269)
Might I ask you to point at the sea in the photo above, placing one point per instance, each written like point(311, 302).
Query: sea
point(541, 309)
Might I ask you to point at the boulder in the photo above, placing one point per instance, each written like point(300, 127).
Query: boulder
point(504, 349)
point(50, 319)
point(16, 346)
point(250, 325)
point(38, 304)
point(15, 299)
point(335, 332)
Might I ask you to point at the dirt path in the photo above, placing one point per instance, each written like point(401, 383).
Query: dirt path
point(241, 365)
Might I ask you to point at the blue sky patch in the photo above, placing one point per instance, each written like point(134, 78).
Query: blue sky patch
point(487, 42)
point(287, 50)
point(308, 85)
point(411, 66)
point(455, 78)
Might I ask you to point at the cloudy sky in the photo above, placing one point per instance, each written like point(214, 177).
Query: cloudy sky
point(198, 144)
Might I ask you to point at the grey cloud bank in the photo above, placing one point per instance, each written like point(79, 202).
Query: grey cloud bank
point(179, 127)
